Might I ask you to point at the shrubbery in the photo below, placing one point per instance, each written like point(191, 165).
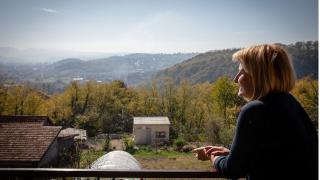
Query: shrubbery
point(179, 143)
point(128, 143)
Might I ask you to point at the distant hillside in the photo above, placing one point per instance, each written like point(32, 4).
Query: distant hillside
point(132, 69)
point(35, 55)
point(207, 67)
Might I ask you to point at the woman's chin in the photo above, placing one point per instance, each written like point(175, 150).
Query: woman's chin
point(243, 96)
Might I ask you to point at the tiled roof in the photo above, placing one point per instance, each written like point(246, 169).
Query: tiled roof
point(151, 120)
point(43, 120)
point(25, 140)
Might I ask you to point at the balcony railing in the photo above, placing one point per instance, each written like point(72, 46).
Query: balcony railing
point(58, 172)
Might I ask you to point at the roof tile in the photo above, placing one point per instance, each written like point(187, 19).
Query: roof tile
point(25, 139)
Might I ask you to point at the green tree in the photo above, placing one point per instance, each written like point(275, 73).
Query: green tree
point(306, 92)
point(3, 99)
point(225, 97)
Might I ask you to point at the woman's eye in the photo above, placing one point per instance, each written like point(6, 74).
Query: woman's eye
point(242, 71)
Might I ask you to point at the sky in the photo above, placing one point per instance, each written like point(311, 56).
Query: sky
point(155, 26)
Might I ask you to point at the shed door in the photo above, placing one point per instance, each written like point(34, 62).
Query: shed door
point(148, 136)
point(144, 136)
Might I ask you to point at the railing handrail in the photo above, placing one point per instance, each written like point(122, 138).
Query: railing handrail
point(65, 172)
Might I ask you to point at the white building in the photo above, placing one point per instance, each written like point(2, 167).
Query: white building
point(149, 130)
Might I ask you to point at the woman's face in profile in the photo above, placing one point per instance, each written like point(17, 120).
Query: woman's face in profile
point(245, 84)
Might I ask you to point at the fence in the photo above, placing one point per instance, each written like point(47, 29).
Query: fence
point(11, 173)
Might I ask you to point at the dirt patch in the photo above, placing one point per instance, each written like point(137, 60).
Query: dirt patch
point(116, 144)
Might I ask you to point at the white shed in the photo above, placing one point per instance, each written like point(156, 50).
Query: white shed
point(149, 130)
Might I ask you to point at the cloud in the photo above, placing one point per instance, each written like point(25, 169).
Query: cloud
point(52, 11)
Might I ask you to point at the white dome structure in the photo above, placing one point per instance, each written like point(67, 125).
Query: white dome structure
point(116, 160)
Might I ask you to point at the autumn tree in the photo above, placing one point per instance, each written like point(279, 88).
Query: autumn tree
point(225, 97)
point(306, 92)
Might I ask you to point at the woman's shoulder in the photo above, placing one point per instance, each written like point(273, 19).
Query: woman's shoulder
point(252, 113)
point(269, 103)
point(252, 109)
point(253, 105)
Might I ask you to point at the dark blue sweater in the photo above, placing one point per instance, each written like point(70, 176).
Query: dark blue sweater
point(274, 139)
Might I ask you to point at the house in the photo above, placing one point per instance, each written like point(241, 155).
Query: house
point(67, 137)
point(28, 141)
point(150, 130)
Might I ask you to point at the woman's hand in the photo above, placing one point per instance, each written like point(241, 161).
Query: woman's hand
point(200, 153)
point(209, 152)
point(217, 151)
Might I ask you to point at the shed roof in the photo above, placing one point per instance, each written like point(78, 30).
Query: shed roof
point(25, 140)
point(80, 134)
point(151, 120)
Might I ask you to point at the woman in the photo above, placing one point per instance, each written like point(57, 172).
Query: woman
point(274, 138)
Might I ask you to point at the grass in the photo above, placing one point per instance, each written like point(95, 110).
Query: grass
point(145, 153)
point(152, 158)
point(169, 159)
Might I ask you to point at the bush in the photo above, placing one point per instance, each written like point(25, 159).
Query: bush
point(179, 143)
point(89, 156)
point(68, 158)
point(106, 144)
point(128, 143)
point(226, 135)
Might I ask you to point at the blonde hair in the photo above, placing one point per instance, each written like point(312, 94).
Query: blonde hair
point(270, 69)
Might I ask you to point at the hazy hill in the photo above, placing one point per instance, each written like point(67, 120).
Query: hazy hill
point(132, 68)
point(35, 55)
point(207, 67)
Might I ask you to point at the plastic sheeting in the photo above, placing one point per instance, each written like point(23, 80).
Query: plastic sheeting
point(116, 160)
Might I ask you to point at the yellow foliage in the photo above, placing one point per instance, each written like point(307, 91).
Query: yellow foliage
point(306, 92)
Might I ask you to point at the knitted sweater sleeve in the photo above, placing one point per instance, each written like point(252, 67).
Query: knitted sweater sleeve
point(237, 163)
